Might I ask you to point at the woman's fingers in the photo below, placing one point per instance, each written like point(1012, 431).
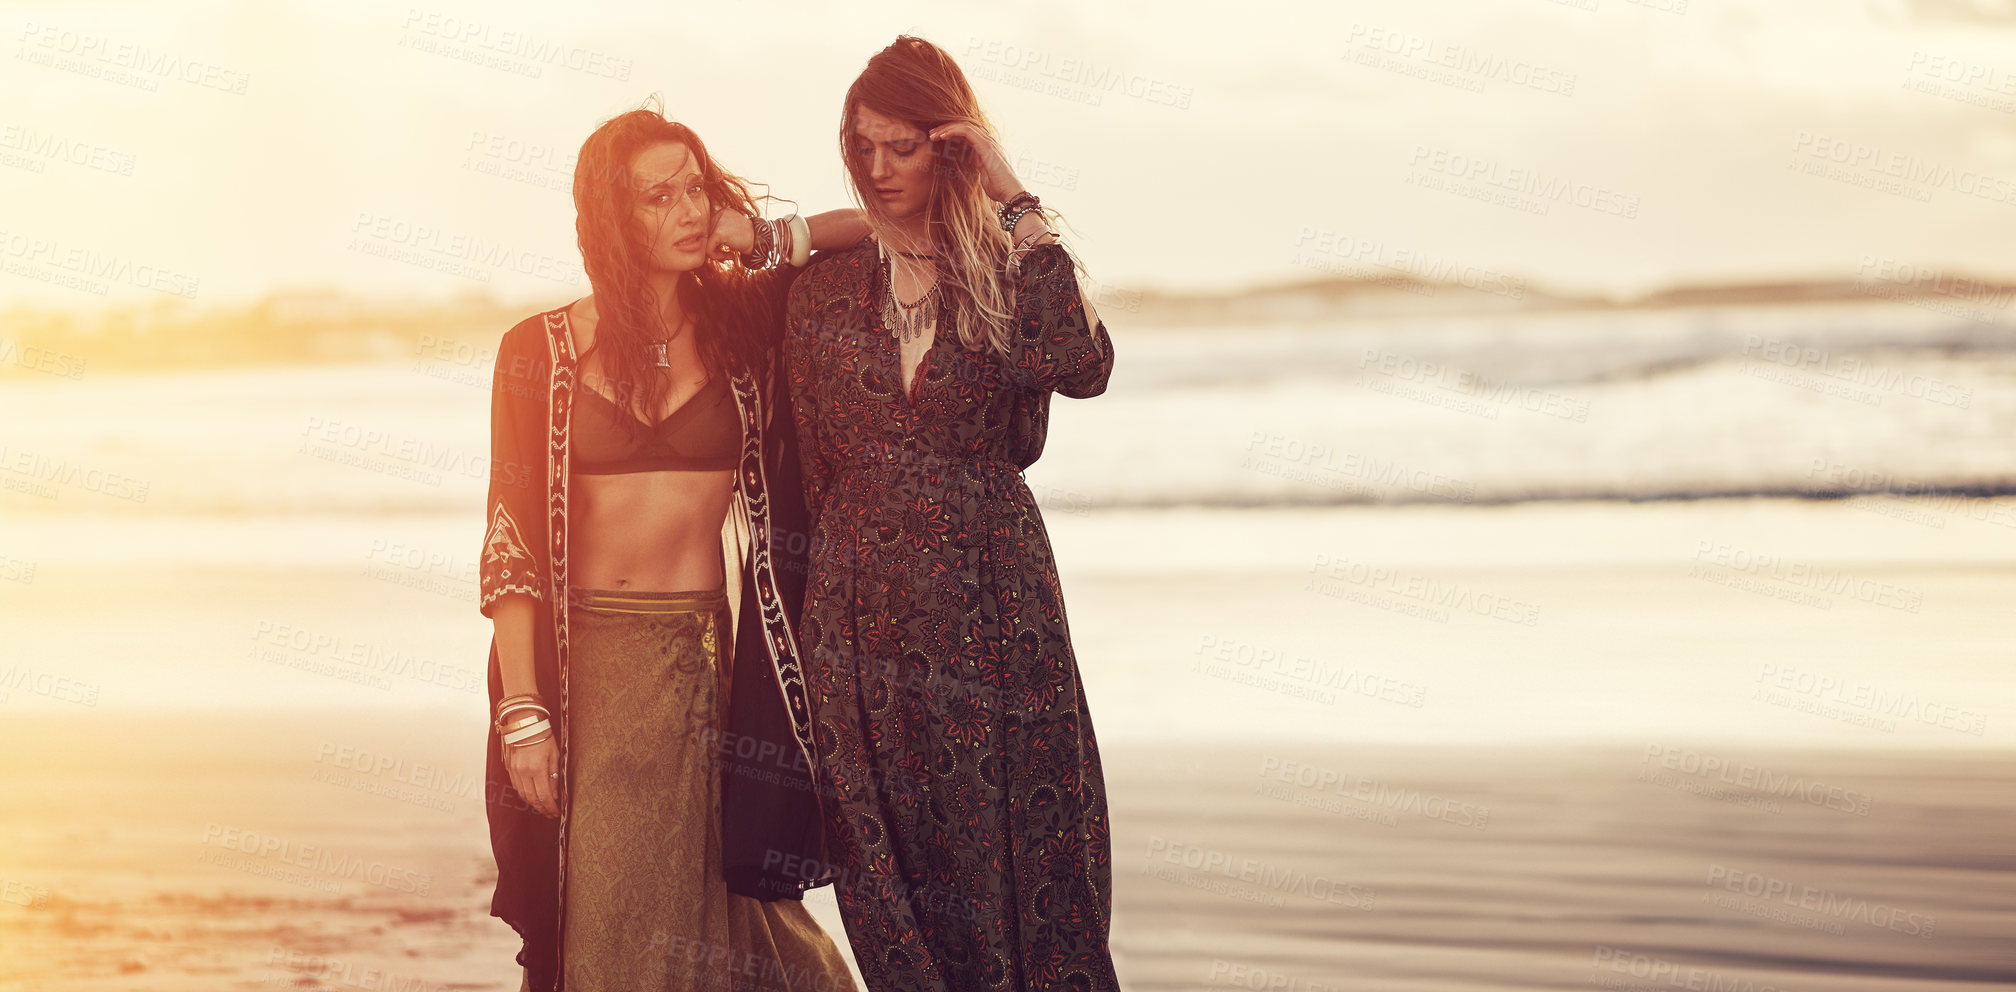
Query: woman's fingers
point(718, 236)
point(722, 240)
point(533, 773)
point(963, 129)
point(549, 768)
point(977, 150)
point(958, 141)
point(728, 233)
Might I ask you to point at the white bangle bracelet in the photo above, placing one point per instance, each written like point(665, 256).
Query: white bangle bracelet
point(527, 731)
point(801, 240)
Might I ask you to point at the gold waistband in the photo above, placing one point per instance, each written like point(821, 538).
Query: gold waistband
point(639, 601)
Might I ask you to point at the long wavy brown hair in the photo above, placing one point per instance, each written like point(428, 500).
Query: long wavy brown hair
point(917, 82)
point(616, 251)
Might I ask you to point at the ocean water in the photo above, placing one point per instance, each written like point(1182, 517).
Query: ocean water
point(1816, 400)
point(1429, 529)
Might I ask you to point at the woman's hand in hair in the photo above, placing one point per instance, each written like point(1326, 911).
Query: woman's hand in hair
point(975, 149)
point(733, 234)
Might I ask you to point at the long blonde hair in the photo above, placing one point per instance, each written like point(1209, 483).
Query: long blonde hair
point(916, 82)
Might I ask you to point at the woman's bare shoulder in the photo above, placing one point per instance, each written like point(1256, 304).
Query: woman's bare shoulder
point(582, 318)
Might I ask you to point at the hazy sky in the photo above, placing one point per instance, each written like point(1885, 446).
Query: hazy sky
point(228, 150)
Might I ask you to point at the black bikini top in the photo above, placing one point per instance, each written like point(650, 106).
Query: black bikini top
point(704, 433)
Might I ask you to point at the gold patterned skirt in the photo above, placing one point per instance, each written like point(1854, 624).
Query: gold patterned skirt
point(647, 908)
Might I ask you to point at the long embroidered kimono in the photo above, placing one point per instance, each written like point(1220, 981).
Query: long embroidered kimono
point(969, 812)
point(771, 836)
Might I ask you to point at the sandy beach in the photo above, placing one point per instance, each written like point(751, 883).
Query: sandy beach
point(269, 776)
point(335, 851)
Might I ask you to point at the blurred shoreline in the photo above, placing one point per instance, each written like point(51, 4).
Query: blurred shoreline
point(321, 326)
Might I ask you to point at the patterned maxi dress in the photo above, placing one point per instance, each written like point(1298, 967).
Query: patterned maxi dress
point(966, 810)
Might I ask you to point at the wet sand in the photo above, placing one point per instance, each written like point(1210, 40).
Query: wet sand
point(1742, 745)
point(123, 862)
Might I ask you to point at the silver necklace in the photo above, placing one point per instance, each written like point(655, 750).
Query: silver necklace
point(906, 321)
point(661, 351)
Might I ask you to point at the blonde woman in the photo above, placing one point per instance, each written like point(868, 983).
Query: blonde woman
point(967, 814)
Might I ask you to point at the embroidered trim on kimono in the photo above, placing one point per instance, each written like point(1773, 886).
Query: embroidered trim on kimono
point(753, 484)
point(782, 642)
point(505, 546)
point(559, 418)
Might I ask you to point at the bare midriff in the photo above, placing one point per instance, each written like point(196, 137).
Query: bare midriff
point(649, 531)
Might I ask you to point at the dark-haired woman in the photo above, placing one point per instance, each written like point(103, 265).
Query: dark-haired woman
point(969, 821)
point(637, 437)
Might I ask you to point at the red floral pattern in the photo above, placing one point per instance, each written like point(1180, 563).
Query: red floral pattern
point(968, 810)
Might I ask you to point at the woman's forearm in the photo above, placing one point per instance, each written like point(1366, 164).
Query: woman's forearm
point(836, 228)
point(1029, 225)
point(516, 619)
point(1034, 229)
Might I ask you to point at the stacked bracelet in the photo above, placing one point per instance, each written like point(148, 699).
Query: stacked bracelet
point(520, 701)
point(800, 235)
point(532, 730)
point(763, 249)
point(1011, 211)
point(1030, 242)
point(523, 721)
point(777, 242)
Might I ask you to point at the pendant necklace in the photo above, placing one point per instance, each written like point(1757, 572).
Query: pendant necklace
point(661, 351)
point(906, 321)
